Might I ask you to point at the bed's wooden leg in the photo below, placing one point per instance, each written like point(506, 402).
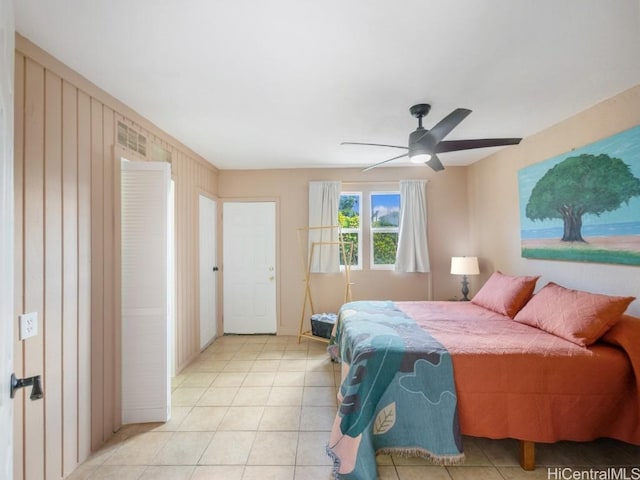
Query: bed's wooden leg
point(527, 455)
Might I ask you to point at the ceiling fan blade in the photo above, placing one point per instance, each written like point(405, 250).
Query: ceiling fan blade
point(448, 123)
point(384, 161)
point(455, 145)
point(373, 145)
point(435, 163)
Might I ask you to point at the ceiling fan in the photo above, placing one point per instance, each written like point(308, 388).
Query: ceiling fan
point(424, 145)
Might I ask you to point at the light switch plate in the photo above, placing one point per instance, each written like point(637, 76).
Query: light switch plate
point(28, 325)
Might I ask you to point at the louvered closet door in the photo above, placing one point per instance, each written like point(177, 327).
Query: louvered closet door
point(145, 323)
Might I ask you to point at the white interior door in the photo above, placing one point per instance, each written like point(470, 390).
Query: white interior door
point(208, 270)
point(249, 273)
point(145, 307)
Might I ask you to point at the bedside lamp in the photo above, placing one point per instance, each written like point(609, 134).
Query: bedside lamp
point(465, 266)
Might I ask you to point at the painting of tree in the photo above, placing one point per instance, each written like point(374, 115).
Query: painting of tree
point(584, 205)
point(579, 185)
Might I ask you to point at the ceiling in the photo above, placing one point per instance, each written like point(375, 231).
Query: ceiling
point(279, 84)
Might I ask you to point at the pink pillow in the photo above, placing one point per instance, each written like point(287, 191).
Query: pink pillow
point(577, 316)
point(505, 294)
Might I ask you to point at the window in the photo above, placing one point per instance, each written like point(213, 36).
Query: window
point(349, 215)
point(372, 225)
point(385, 218)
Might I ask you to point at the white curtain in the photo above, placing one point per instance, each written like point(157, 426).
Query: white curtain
point(413, 252)
point(324, 201)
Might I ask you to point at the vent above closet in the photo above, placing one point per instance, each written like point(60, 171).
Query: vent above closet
point(132, 140)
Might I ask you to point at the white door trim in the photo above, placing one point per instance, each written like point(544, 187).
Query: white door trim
point(207, 261)
point(276, 260)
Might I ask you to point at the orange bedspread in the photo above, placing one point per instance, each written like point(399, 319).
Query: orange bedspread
point(516, 381)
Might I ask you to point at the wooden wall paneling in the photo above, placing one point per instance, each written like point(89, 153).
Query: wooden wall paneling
point(204, 180)
point(66, 254)
point(195, 257)
point(108, 307)
point(180, 294)
point(182, 211)
point(18, 348)
point(176, 292)
point(190, 319)
point(52, 318)
point(84, 277)
point(70, 251)
point(178, 314)
point(212, 184)
point(180, 262)
point(187, 320)
point(34, 447)
point(194, 320)
point(97, 278)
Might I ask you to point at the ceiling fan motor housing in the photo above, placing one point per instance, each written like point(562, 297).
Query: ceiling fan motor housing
point(420, 143)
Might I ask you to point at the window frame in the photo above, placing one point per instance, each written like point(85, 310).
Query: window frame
point(359, 230)
point(373, 230)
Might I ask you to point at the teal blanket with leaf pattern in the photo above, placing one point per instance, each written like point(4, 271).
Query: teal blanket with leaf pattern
point(397, 394)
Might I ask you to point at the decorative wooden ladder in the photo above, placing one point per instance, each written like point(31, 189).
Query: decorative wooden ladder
point(346, 248)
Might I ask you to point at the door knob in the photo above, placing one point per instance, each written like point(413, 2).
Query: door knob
point(215, 269)
point(35, 382)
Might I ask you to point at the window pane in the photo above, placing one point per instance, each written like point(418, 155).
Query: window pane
point(385, 245)
point(349, 219)
point(349, 211)
point(350, 237)
point(385, 210)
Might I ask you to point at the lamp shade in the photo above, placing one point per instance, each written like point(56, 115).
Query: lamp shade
point(464, 266)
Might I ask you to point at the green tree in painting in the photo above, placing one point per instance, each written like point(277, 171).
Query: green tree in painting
point(578, 185)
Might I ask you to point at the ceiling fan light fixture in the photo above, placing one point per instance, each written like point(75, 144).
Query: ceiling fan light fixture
point(420, 158)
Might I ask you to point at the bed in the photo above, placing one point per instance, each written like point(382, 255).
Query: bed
point(513, 377)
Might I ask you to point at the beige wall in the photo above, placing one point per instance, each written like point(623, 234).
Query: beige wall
point(493, 201)
point(66, 259)
point(447, 220)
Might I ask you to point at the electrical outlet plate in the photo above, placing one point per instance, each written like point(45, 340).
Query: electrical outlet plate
point(28, 325)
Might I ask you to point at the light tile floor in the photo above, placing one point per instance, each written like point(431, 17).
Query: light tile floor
point(261, 407)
